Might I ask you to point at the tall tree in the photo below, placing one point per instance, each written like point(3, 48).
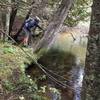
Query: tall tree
point(91, 83)
point(13, 15)
point(8, 17)
point(55, 25)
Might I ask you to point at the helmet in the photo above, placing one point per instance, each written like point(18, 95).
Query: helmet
point(38, 18)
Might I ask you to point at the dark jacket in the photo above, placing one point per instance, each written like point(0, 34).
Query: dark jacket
point(31, 23)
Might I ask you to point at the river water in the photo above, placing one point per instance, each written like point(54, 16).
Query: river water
point(55, 62)
point(78, 48)
point(76, 77)
point(77, 74)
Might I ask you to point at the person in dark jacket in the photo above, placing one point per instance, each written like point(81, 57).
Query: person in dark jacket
point(28, 25)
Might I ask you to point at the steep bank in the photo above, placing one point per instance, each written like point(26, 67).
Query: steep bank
point(14, 83)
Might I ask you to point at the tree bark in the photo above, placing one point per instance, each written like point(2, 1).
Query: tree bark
point(12, 16)
point(55, 25)
point(8, 17)
point(27, 16)
point(91, 83)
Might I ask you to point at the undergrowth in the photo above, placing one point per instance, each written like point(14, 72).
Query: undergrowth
point(14, 83)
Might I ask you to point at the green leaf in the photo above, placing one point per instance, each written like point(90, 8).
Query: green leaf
point(9, 50)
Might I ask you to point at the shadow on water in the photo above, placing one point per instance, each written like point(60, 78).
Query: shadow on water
point(63, 64)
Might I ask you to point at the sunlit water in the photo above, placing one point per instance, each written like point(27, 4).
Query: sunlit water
point(78, 48)
point(77, 74)
point(77, 78)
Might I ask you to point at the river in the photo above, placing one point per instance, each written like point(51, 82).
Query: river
point(68, 63)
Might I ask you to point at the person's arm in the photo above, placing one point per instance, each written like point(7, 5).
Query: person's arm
point(40, 27)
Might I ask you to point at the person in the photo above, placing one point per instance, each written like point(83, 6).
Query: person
point(28, 25)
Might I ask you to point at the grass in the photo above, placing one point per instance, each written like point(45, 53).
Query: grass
point(14, 83)
point(11, 57)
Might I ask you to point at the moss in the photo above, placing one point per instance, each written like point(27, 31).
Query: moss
point(12, 73)
point(11, 57)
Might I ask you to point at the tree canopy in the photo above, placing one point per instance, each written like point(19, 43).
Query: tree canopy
point(79, 11)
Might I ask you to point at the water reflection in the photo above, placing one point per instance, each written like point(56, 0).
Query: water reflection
point(66, 60)
point(77, 78)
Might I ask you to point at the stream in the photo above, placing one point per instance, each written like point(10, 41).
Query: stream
point(76, 77)
point(77, 74)
point(66, 61)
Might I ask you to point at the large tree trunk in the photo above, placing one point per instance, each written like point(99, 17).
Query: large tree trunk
point(3, 22)
point(5, 17)
point(12, 16)
point(55, 25)
point(91, 83)
point(8, 17)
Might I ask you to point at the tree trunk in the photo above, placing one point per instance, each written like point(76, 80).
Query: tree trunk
point(12, 16)
point(8, 17)
point(55, 25)
point(1, 25)
point(27, 16)
point(3, 22)
point(91, 83)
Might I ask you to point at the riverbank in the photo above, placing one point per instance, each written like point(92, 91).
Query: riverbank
point(14, 83)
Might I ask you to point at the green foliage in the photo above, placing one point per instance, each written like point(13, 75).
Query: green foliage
point(27, 80)
point(8, 50)
point(38, 97)
point(80, 11)
point(31, 87)
point(25, 85)
point(12, 72)
point(43, 77)
point(3, 1)
point(8, 85)
point(52, 2)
